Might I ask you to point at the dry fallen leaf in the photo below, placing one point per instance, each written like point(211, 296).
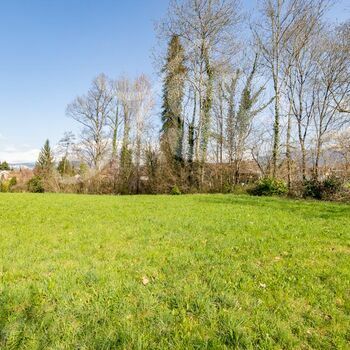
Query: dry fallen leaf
point(262, 285)
point(145, 280)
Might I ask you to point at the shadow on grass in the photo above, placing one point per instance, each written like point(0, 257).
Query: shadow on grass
point(304, 208)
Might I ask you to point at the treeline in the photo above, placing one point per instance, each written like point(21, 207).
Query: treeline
point(271, 102)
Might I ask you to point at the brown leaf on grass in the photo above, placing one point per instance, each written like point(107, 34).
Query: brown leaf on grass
point(145, 280)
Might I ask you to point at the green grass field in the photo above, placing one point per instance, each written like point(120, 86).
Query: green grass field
point(173, 272)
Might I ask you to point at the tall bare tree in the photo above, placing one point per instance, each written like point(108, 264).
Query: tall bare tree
point(299, 68)
point(143, 105)
point(276, 27)
point(114, 121)
point(92, 111)
point(125, 95)
point(330, 83)
point(343, 33)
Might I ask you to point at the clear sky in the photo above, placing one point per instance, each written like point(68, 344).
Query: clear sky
point(51, 50)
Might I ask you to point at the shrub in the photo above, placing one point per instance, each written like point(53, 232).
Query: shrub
point(13, 181)
point(269, 187)
point(312, 189)
point(4, 186)
point(175, 191)
point(332, 185)
point(237, 189)
point(35, 185)
point(322, 189)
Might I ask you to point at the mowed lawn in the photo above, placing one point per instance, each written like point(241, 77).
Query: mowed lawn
point(173, 272)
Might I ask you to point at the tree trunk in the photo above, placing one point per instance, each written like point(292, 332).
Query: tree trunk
point(317, 159)
point(288, 152)
point(276, 131)
point(191, 140)
point(115, 133)
point(206, 114)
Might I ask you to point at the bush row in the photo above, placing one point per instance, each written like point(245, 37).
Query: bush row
point(330, 188)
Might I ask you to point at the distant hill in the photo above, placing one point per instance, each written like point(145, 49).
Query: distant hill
point(22, 165)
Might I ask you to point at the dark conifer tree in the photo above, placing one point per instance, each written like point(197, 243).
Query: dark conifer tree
point(45, 162)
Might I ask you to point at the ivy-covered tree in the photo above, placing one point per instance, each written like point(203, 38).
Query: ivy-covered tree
point(249, 107)
point(173, 95)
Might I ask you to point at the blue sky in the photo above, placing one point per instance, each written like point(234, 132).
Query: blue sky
point(51, 50)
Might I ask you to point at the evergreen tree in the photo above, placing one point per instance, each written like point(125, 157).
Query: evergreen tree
point(45, 162)
point(173, 95)
point(4, 166)
point(65, 167)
